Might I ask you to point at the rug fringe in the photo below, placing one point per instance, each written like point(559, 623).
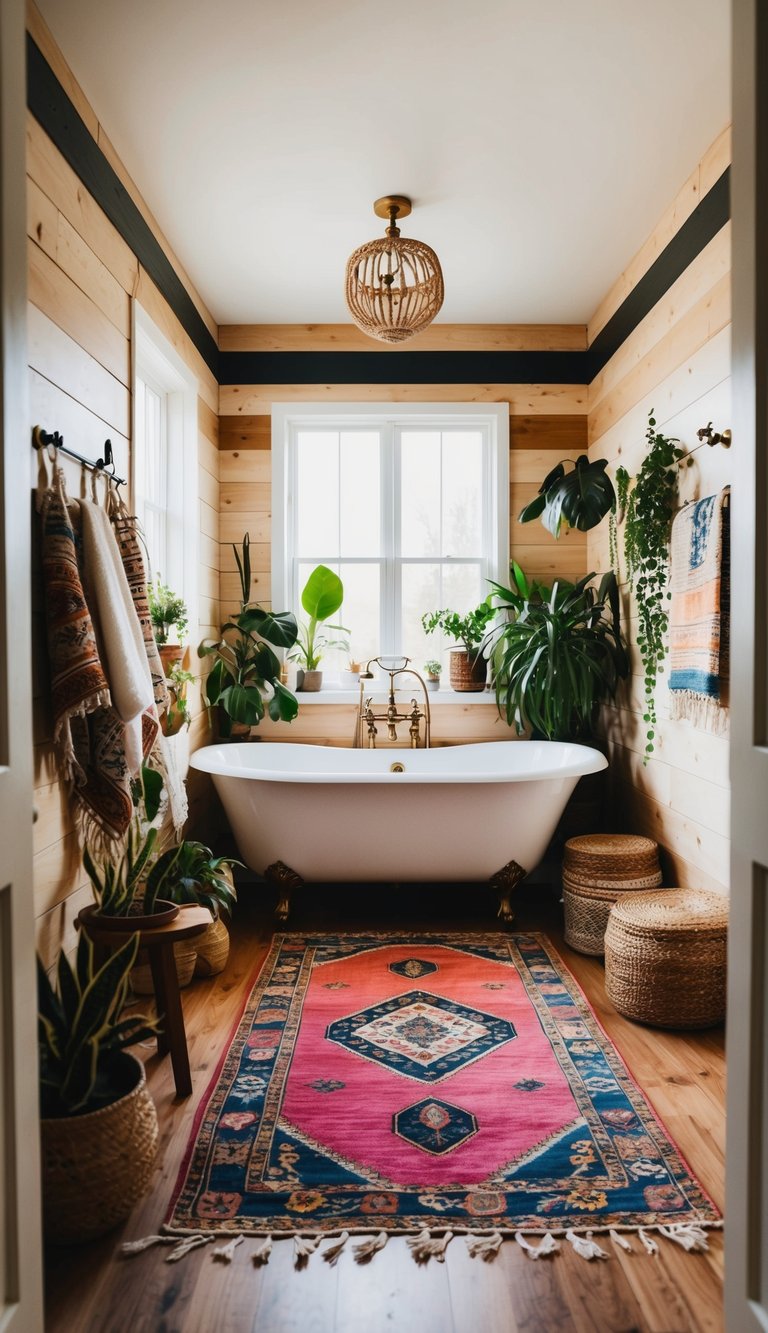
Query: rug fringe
point(365, 1251)
point(648, 1241)
point(262, 1252)
point(425, 1246)
point(332, 1254)
point(687, 1234)
point(546, 1246)
point(224, 1254)
point(484, 1247)
point(585, 1246)
point(621, 1241)
point(303, 1247)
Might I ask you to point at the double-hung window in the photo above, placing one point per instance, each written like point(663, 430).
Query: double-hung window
point(409, 506)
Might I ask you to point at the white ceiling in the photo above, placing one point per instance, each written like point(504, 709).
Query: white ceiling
point(540, 140)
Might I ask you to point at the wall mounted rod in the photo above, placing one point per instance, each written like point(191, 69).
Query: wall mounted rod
point(42, 438)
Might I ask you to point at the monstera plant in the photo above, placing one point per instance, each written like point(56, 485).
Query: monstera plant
point(581, 497)
point(244, 681)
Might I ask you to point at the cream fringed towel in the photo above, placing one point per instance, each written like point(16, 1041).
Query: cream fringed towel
point(699, 613)
point(121, 639)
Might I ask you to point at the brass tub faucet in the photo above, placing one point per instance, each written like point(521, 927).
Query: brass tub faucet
point(365, 722)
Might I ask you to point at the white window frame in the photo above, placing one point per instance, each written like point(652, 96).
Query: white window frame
point(157, 362)
point(392, 419)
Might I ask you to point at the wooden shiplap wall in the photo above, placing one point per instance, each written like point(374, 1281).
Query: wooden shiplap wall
point(81, 279)
point(547, 422)
point(676, 362)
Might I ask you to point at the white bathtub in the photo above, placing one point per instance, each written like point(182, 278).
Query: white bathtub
point(461, 812)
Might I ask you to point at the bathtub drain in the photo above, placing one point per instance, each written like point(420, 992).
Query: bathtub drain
point(397, 768)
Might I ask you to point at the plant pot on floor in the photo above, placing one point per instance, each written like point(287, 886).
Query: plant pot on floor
point(467, 673)
point(212, 949)
point(96, 1166)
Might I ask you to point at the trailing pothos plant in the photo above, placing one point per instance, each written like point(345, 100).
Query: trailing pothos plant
point(557, 654)
point(581, 498)
point(646, 506)
point(244, 680)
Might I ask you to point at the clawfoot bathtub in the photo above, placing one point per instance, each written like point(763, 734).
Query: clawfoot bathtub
point(461, 812)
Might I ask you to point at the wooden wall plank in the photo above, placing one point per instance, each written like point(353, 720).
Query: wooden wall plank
point(54, 409)
point(437, 338)
point(565, 433)
point(41, 33)
point(156, 307)
point(57, 357)
point(245, 432)
point(57, 296)
point(527, 399)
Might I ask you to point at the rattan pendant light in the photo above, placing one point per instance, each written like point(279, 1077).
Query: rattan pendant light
point(394, 284)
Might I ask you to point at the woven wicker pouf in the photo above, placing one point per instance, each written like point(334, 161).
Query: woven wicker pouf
point(665, 957)
point(597, 870)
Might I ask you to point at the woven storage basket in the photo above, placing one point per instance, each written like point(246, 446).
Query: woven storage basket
point(598, 869)
point(212, 948)
point(665, 957)
point(96, 1166)
point(184, 954)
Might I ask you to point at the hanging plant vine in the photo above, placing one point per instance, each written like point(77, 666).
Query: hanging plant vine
point(647, 509)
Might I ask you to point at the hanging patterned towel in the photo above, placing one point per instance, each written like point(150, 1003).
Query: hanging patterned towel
point(126, 532)
point(699, 612)
point(87, 732)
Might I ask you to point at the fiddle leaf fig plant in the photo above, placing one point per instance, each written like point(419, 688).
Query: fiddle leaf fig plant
point(581, 497)
point(321, 598)
point(244, 680)
point(647, 505)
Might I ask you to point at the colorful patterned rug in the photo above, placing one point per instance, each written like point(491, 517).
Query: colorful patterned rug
point(428, 1082)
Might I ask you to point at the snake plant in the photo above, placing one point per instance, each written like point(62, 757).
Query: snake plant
point(116, 880)
point(81, 1025)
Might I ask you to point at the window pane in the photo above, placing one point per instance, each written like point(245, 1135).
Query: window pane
point(421, 592)
point(359, 613)
point(360, 493)
point(420, 493)
point(463, 587)
point(462, 491)
point(317, 498)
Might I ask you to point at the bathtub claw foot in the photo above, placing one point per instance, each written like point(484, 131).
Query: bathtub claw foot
point(504, 882)
point(284, 880)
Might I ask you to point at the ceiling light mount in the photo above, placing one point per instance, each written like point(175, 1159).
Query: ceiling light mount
point(394, 285)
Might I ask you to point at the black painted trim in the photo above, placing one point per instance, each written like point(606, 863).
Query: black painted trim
point(402, 368)
point(708, 217)
point(51, 106)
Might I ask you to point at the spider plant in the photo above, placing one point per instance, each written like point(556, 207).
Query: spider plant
point(557, 655)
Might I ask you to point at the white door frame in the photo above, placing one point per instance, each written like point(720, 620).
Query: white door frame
point(746, 1233)
point(21, 1302)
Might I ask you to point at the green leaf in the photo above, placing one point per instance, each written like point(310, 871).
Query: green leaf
point(283, 706)
point(152, 784)
point(278, 628)
point(323, 593)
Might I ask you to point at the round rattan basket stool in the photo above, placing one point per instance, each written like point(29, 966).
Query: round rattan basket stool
point(665, 957)
point(598, 869)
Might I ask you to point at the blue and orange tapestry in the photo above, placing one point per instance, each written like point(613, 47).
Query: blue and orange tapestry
point(699, 614)
point(406, 1083)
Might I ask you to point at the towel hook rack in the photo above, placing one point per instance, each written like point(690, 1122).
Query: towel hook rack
point(41, 438)
point(711, 437)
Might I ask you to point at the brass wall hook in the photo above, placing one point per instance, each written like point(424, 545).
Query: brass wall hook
point(711, 437)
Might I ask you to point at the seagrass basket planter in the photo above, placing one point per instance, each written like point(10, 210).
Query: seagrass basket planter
point(665, 957)
point(96, 1166)
point(599, 869)
point(467, 673)
point(212, 950)
point(185, 956)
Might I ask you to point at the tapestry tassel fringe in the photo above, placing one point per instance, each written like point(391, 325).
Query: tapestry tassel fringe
point(648, 1241)
point(184, 1246)
point(585, 1246)
point(424, 1246)
point(484, 1247)
point(365, 1251)
point(131, 1247)
point(303, 1247)
point(621, 1241)
point(262, 1252)
point(224, 1254)
point(547, 1246)
point(332, 1254)
point(686, 1234)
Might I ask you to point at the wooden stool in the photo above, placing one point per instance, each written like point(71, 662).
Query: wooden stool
point(665, 957)
point(598, 868)
point(159, 942)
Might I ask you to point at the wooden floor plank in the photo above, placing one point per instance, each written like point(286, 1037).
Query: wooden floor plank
point(90, 1290)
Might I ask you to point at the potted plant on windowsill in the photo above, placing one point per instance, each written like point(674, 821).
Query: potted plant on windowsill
point(244, 681)
point(433, 670)
point(468, 668)
point(98, 1122)
point(168, 613)
point(321, 598)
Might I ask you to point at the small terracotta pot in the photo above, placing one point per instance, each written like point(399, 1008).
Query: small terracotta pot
point(468, 673)
point(170, 655)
